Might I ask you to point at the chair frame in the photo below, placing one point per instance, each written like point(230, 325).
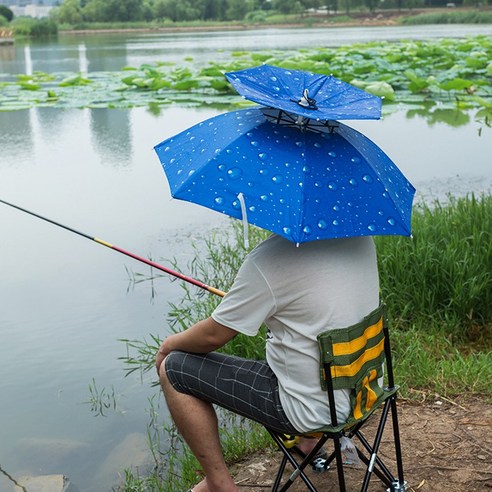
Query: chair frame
point(369, 454)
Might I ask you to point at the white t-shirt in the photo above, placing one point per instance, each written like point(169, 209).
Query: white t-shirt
point(299, 292)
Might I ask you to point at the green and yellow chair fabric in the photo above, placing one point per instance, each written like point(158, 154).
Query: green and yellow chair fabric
point(352, 358)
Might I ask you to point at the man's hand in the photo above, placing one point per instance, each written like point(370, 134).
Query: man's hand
point(203, 337)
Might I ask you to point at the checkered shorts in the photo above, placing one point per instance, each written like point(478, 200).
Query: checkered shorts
point(246, 387)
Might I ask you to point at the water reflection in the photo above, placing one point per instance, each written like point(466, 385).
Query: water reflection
point(435, 115)
point(7, 53)
point(16, 138)
point(83, 61)
point(109, 55)
point(111, 136)
point(28, 59)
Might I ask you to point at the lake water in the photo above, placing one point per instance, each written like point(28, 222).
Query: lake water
point(66, 301)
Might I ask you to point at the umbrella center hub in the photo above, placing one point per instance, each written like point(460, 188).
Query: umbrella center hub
point(306, 101)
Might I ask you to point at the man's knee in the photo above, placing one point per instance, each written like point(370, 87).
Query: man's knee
point(171, 362)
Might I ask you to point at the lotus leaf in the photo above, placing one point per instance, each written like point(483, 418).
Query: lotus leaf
point(456, 85)
point(73, 80)
point(404, 72)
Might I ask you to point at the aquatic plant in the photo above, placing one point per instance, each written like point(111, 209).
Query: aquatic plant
point(452, 73)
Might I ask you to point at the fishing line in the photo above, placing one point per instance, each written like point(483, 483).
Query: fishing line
point(153, 264)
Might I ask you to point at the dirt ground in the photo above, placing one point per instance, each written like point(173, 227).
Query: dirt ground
point(446, 445)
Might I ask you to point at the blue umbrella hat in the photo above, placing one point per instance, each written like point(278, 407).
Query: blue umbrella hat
point(319, 183)
point(312, 95)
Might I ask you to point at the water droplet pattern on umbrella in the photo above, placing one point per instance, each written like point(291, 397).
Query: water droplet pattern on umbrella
point(301, 185)
point(284, 89)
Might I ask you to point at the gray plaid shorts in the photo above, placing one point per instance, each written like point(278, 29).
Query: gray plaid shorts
point(245, 387)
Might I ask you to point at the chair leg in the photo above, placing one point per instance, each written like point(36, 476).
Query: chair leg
point(375, 464)
point(339, 460)
point(384, 477)
point(298, 467)
point(280, 472)
point(396, 436)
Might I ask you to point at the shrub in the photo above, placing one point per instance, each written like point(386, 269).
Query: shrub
point(34, 28)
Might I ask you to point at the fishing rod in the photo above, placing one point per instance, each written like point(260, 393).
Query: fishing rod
point(153, 264)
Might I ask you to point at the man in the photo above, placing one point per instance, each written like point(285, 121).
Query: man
point(298, 292)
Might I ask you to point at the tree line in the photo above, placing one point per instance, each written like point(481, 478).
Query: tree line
point(75, 11)
point(79, 11)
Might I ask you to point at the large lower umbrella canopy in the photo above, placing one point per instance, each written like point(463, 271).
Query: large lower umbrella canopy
point(312, 95)
point(303, 185)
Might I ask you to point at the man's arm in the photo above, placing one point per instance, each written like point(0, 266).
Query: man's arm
point(203, 337)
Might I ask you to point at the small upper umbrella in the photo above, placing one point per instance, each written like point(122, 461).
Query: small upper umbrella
point(303, 185)
point(315, 96)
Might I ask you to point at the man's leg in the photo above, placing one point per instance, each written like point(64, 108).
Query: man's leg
point(196, 420)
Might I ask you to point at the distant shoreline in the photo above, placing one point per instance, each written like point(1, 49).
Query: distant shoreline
point(228, 28)
point(369, 20)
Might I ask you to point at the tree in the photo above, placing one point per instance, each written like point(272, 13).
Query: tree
point(214, 9)
point(6, 12)
point(113, 10)
point(346, 4)
point(161, 9)
point(184, 10)
point(94, 11)
point(288, 6)
point(148, 11)
point(188, 10)
point(310, 4)
point(131, 10)
point(331, 6)
point(68, 12)
point(237, 9)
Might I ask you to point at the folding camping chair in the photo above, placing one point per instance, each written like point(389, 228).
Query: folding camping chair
point(352, 358)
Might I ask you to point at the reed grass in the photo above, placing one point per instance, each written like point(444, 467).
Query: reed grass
point(451, 17)
point(223, 255)
point(438, 287)
point(443, 276)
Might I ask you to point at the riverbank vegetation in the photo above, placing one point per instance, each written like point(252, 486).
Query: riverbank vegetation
point(76, 12)
point(448, 17)
point(111, 15)
point(257, 19)
point(438, 287)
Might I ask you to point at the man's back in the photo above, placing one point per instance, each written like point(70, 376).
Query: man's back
point(299, 292)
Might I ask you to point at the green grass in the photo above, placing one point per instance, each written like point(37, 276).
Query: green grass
point(451, 17)
point(443, 275)
point(438, 287)
point(427, 362)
